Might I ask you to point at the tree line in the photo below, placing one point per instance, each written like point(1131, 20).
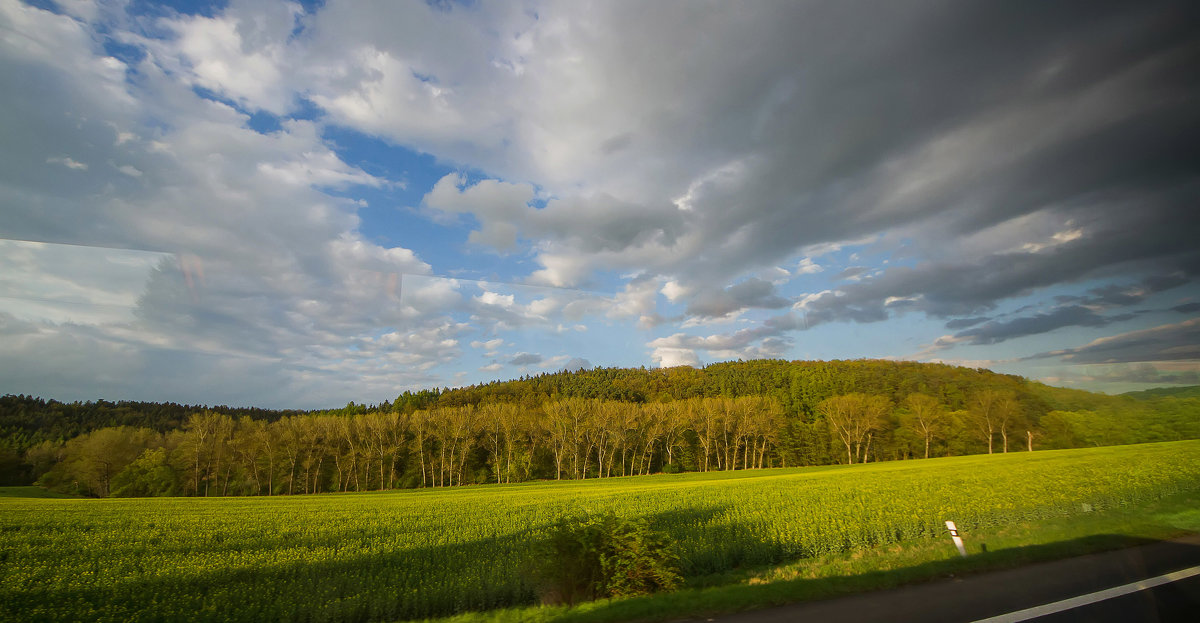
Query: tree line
point(573, 438)
point(569, 425)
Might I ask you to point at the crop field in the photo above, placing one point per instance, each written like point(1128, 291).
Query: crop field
point(413, 554)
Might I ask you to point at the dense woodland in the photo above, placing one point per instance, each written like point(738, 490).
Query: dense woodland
point(588, 424)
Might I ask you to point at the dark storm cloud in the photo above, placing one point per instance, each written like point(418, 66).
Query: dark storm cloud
point(753, 292)
point(1144, 373)
point(847, 119)
point(1172, 342)
point(1072, 316)
point(1073, 311)
point(1077, 114)
point(1068, 126)
point(996, 150)
point(963, 323)
point(1187, 308)
point(525, 359)
point(852, 272)
point(1119, 240)
point(1119, 295)
point(576, 364)
point(1041, 108)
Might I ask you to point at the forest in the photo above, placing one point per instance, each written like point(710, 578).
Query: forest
point(595, 423)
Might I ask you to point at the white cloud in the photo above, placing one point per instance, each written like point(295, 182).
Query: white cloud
point(667, 357)
point(86, 10)
point(504, 301)
point(68, 162)
point(578, 231)
point(808, 267)
point(1058, 238)
point(241, 54)
point(70, 283)
point(674, 291)
point(637, 300)
point(561, 269)
point(709, 321)
point(544, 99)
point(777, 275)
point(269, 269)
point(427, 296)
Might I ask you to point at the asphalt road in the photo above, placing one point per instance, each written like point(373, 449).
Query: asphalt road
point(978, 597)
point(1177, 601)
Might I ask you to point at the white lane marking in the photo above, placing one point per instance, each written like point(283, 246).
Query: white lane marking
point(1091, 598)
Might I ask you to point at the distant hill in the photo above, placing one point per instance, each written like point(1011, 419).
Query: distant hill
point(798, 385)
point(1190, 391)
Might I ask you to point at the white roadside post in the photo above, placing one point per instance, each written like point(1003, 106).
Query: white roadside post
point(962, 551)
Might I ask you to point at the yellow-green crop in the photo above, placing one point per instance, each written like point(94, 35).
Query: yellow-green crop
point(409, 554)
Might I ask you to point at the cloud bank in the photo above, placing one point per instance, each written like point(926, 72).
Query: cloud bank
point(193, 198)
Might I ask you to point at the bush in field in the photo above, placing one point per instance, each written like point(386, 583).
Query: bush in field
point(606, 556)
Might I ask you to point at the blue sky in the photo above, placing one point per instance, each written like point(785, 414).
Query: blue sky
point(302, 204)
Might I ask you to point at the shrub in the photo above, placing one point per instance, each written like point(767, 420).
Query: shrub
point(593, 556)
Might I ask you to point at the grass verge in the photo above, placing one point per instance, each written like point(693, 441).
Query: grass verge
point(886, 567)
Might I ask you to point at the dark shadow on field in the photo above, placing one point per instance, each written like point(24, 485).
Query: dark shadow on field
point(31, 492)
point(389, 586)
point(422, 582)
point(1125, 566)
point(726, 545)
point(439, 580)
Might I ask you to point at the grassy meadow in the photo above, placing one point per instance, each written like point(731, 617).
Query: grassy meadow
point(428, 553)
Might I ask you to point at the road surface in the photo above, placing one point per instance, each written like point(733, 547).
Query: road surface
point(1038, 592)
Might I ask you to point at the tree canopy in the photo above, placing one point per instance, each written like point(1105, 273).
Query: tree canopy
point(586, 424)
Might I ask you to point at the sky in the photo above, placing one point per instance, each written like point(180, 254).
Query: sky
point(298, 205)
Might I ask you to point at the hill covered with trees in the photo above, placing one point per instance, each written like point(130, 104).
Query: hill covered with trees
point(584, 424)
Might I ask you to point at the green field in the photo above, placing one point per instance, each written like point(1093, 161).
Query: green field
point(413, 554)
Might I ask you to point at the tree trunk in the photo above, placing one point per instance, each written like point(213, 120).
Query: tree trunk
point(421, 451)
point(442, 468)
